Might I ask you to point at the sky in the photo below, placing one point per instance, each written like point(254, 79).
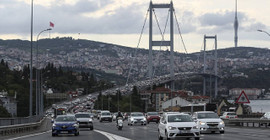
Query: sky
point(121, 21)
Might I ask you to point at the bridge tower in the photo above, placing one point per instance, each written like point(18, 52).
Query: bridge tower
point(162, 42)
point(204, 65)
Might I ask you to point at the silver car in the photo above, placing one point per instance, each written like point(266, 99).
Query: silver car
point(136, 118)
point(85, 120)
point(209, 121)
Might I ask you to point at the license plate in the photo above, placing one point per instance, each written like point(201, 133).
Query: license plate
point(154, 119)
point(182, 131)
point(212, 127)
point(64, 132)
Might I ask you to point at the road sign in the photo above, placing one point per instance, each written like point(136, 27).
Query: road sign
point(242, 98)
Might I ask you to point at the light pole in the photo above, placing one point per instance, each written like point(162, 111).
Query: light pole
point(263, 32)
point(38, 95)
point(31, 66)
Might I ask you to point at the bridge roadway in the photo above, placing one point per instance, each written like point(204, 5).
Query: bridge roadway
point(148, 132)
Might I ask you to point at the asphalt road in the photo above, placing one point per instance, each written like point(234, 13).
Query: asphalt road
point(149, 132)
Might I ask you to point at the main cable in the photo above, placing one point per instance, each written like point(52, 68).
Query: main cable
point(138, 44)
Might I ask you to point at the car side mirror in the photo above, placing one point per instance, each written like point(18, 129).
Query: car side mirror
point(52, 121)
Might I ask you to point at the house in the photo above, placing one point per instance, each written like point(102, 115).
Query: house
point(10, 104)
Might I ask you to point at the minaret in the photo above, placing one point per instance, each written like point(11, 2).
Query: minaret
point(235, 26)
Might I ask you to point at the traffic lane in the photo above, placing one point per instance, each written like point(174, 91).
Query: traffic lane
point(84, 134)
point(134, 132)
point(238, 133)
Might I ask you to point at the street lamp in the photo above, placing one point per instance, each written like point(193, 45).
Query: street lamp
point(38, 95)
point(263, 32)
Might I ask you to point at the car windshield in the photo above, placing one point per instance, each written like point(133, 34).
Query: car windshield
point(105, 113)
point(152, 113)
point(179, 118)
point(65, 119)
point(136, 114)
point(207, 115)
point(82, 116)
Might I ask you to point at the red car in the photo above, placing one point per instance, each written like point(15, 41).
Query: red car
point(152, 117)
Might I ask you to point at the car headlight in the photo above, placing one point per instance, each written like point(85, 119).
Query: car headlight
point(221, 123)
point(75, 125)
point(90, 120)
point(53, 125)
point(195, 127)
point(202, 123)
point(171, 128)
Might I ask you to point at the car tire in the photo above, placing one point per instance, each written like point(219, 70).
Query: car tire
point(91, 128)
point(53, 135)
point(77, 134)
point(159, 136)
point(167, 135)
point(222, 132)
point(197, 138)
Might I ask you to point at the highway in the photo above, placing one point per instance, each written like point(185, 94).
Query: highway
point(108, 131)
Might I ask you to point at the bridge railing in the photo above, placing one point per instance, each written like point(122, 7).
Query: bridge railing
point(20, 128)
point(19, 120)
point(248, 122)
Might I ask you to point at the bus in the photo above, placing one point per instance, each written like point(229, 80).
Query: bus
point(59, 110)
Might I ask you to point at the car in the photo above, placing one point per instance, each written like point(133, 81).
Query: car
point(65, 124)
point(229, 115)
point(84, 119)
point(209, 121)
point(152, 117)
point(136, 118)
point(105, 116)
point(177, 125)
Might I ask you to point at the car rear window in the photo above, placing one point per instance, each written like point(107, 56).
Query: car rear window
point(65, 119)
point(231, 114)
point(136, 114)
point(105, 113)
point(82, 115)
point(179, 118)
point(152, 113)
point(207, 115)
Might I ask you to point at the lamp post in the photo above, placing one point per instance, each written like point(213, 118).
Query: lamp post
point(263, 32)
point(38, 95)
point(31, 66)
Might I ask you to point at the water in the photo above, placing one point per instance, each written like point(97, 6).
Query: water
point(259, 105)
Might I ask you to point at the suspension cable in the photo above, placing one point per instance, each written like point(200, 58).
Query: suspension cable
point(178, 27)
point(162, 35)
point(146, 16)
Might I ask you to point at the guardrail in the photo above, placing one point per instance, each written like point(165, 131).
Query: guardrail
point(19, 120)
point(19, 128)
point(248, 122)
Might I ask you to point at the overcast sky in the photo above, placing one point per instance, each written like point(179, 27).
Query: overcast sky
point(120, 21)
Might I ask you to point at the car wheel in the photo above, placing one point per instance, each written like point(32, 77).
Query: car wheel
point(222, 132)
point(159, 136)
point(167, 135)
point(77, 134)
point(197, 138)
point(91, 128)
point(53, 135)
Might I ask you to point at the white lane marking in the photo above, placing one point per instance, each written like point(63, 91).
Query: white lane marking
point(111, 136)
point(31, 135)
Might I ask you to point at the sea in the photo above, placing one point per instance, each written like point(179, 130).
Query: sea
point(259, 105)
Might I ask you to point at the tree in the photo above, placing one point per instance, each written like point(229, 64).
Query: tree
point(4, 113)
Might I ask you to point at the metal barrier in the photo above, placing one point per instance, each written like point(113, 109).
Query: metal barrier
point(19, 128)
point(248, 122)
point(20, 120)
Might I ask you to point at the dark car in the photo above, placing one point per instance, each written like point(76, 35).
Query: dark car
point(65, 124)
point(152, 117)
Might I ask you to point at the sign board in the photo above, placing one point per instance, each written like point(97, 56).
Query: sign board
point(242, 98)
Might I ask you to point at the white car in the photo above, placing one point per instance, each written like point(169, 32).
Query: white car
point(136, 118)
point(208, 121)
point(177, 125)
point(229, 115)
point(84, 119)
point(105, 116)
